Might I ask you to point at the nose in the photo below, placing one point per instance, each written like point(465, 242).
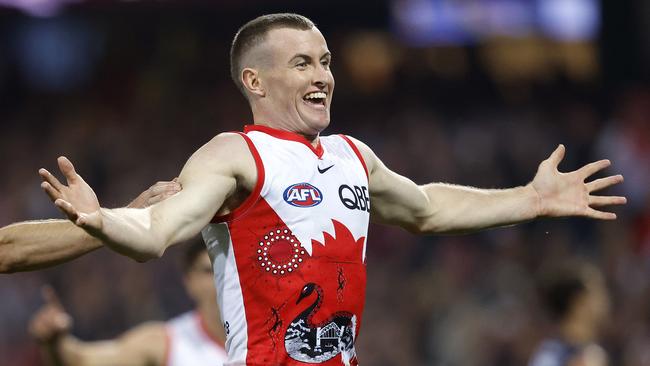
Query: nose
point(322, 77)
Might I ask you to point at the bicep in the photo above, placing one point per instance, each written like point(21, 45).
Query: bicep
point(395, 199)
point(208, 179)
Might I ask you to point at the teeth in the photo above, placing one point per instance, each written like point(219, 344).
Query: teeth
point(316, 95)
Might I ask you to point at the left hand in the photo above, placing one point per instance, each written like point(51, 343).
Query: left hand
point(51, 321)
point(567, 194)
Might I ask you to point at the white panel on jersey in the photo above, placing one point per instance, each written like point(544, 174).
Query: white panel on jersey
point(287, 163)
point(189, 345)
point(229, 293)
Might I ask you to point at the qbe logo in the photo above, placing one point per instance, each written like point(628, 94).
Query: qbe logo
point(302, 195)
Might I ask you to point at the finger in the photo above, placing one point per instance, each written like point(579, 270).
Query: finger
point(48, 177)
point(601, 183)
point(557, 155)
point(90, 221)
point(50, 191)
point(175, 180)
point(67, 209)
point(597, 201)
point(67, 169)
point(160, 197)
point(601, 215)
point(163, 187)
point(50, 297)
point(594, 167)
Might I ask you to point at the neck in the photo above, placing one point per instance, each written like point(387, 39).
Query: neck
point(313, 139)
point(211, 322)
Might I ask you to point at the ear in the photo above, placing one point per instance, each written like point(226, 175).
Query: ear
point(251, 80)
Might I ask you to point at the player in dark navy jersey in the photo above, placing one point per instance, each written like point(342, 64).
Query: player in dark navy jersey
point(576, 298)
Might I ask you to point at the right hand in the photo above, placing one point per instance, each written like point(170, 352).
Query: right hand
point(77, 200)
point(78, 193)
point(51, 321)
point(156, 193)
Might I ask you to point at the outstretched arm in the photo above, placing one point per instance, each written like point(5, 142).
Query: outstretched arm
point(143, 345)
point(210, 176)
point(447, 208)
point(32, 245)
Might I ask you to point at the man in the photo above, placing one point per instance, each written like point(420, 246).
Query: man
point(575, 296)
point(32, 245)
point(192, 338)
point(285, 211)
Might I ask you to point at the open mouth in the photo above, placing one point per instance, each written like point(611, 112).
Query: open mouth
point(316, 99)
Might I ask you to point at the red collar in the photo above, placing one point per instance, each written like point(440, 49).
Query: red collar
point(286, 135)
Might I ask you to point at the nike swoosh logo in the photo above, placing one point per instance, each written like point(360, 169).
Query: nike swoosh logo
point(324, 170)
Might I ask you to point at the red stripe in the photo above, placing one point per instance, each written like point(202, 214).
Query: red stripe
point(287, 135)
point(356, 151)
point(255, 194)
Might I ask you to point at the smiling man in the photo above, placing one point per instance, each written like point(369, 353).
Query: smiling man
point(284, 211)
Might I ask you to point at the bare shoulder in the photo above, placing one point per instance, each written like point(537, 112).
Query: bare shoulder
point(227, 154)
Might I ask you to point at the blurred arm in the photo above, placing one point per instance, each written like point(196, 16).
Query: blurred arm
point(32, 245)
point(142, 346)
point(447, 208)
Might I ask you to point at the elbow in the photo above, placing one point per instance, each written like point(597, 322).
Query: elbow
point(147, 254)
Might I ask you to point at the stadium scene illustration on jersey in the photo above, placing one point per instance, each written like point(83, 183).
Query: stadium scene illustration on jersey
point(289, 263)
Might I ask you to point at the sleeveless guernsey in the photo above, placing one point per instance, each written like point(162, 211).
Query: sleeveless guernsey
point(289, 263)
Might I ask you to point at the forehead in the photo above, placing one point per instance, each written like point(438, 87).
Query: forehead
point(285, 43)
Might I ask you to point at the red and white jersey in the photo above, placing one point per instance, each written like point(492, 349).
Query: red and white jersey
point(190, 344)
point(289, 263)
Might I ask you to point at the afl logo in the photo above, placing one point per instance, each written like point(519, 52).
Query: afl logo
point(302, 195)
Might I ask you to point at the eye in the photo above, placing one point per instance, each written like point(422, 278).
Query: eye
point(301, 65)
point(326, 63)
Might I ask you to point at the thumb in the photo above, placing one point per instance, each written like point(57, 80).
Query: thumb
point(90, 221)
point(557, 156)
point(50, 297)
point(67, 168)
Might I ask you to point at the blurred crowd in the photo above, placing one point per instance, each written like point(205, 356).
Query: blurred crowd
point(143, 95)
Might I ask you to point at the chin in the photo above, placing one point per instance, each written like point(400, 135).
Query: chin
point(318, 125)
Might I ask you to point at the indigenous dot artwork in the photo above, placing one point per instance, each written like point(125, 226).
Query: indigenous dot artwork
point(280, 252)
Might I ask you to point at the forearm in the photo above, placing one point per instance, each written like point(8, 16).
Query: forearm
point(459, 209)
point(70, 351)
point(32, 245)
point(132, 232)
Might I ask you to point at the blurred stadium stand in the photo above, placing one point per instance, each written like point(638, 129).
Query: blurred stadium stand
point(474, 95)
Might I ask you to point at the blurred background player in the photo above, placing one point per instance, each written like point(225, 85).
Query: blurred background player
point(125, 73)
point(193, 338)
point(576, 298)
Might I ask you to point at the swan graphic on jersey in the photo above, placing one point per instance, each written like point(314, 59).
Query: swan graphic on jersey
point(316, 343)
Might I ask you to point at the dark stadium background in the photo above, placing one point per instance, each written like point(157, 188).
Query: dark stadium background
point(129, 89)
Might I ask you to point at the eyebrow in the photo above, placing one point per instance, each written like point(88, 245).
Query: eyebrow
point(307, 57)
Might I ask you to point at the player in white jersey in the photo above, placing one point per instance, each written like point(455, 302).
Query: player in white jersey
point(190, 339)
point(281, 63)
